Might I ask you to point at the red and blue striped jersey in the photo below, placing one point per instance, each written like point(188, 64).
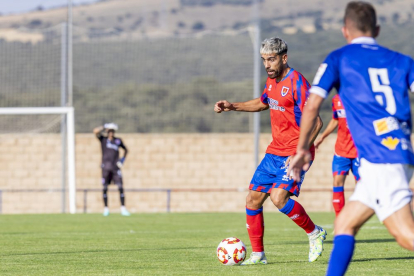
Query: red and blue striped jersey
point(286, 100)
point(344, 144)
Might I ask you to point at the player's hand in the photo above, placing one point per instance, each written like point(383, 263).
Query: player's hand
point(318, 142)
point(300, 162)
point(288, 161)
point(120, 162)
point(221, 106)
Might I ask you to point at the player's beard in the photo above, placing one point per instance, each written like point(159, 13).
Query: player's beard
point(276, 73)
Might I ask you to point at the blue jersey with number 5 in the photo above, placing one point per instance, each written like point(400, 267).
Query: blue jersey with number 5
point(373, 84)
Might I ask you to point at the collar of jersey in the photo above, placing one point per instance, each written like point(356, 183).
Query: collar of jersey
point(290, 71)
point(364, 40)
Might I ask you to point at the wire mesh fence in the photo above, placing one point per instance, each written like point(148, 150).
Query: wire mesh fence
point(163, 84)
point(156, 67)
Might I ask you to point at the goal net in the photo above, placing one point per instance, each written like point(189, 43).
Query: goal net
point(36, 126)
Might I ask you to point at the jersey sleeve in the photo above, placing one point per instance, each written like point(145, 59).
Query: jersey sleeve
point(99, 136)
point(326, 77)
point(122, 145)
point(411, 76)
point(301, 92)
point(264, 98)
point(334, 112)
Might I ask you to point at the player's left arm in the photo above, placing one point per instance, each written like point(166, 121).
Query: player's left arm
point(121, 161)
point(124, 148)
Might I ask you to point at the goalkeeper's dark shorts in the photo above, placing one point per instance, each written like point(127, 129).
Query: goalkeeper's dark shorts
point(114, 176)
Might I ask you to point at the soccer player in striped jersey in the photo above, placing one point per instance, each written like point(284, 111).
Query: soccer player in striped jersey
point(373, 84)
point(345, 158)
point(285, 94)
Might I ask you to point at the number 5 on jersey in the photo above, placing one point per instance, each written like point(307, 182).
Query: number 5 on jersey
point(382, 90)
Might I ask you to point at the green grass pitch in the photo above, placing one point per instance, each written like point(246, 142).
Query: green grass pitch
point(178, 244)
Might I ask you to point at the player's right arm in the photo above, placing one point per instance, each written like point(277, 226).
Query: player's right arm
point(98, 131)
point(325, 79)
point(333, 124)
point(254, 105)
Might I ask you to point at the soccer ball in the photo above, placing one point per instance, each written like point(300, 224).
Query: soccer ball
point(231, 251)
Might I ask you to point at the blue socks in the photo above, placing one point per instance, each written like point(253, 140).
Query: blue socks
point(338, 189)
point(341, 255)
point(288, 207)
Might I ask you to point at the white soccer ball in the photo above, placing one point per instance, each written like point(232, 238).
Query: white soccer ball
point(231, 251)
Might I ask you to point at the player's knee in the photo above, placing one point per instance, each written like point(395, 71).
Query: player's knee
point(338, 182)
point(342, 226)
point(405, 242)
point(279, 201)
point(252, 202)
point(404, 237)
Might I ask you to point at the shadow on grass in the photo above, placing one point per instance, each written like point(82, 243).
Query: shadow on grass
point(383, 259)
point(375, 241)
point(99, 251)
point(330, 241)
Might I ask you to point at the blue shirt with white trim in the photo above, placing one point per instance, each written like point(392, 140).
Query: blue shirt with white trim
point(373, 84)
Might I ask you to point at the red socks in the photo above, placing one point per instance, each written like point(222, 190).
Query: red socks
point(255, 228)
point(338, 199)
point(255, 222)
point(299, 216)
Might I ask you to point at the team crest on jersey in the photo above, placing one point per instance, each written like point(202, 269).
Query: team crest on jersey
point(284, 91)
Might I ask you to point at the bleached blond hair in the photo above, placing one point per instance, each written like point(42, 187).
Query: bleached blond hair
point(273, 45)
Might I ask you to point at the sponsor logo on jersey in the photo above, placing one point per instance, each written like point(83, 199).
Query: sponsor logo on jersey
point(406, 145)
point(390, 142)
point(385, 125)
point(284, 91)
point(405, 128)
point(274, 104)
point(109, 145)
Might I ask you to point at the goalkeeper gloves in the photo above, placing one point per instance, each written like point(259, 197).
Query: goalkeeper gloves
point(120, 162)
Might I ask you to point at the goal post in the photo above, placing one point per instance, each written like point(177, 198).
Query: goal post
point(70, 145)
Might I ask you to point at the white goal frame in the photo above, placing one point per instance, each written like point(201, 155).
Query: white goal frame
point(70, 130)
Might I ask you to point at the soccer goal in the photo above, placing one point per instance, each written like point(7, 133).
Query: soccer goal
point(37, 150)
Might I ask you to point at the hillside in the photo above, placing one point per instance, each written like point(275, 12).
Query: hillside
point(166, 79)
point(179, 17)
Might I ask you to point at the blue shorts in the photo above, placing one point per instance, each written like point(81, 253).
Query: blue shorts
point(271, 173)
point(342, 165)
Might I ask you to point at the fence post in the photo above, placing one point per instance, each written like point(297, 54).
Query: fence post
point(168, 200)
point(85, 200)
